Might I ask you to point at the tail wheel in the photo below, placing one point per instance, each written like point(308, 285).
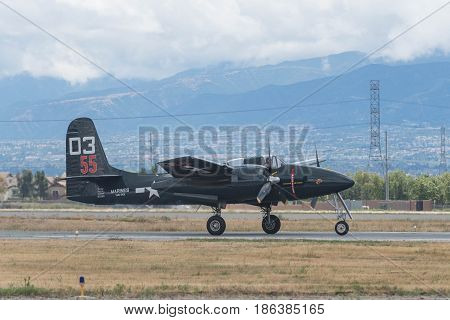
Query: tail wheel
point(216, 225)
point(342, 228)
point(273, 226)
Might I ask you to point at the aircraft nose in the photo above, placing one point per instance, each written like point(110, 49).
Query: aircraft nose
point(347, 182)
point(343, 182)
point(336, 182)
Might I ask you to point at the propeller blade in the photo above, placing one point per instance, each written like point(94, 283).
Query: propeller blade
point(281, 193)
point(314, 202)
point(317, 157)
point(270, 158)
point(265, 190)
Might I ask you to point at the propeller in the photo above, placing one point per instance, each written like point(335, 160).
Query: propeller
point(271, 180)
point(317, 157)
point(267, 188)
point(269, 162)
point(281, 193)
point(314, 200)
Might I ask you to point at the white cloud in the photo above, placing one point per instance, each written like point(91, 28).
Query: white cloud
point(153, 39)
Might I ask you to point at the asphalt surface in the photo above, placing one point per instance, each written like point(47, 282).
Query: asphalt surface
point(168, 236)
point(107, 214)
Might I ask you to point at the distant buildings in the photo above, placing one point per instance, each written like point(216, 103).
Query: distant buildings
point(56, 188)
point(11, 188)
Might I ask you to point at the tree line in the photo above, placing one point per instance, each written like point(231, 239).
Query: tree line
point(370, 186)
point(30, 185)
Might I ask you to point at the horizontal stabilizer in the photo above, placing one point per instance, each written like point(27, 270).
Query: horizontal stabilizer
point(92, 177)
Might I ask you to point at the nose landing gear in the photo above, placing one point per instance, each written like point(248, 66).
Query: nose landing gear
point(341, 227)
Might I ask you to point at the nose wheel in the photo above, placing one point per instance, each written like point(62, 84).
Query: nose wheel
point(341, 228)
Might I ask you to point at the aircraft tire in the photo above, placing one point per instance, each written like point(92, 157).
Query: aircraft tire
point(341, 228)
point(216, 225)
point(274, 227)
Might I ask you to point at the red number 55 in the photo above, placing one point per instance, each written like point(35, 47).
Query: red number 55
point(88, 164)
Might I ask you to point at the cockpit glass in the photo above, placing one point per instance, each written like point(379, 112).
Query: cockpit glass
point(264, 161)
point(276, 162)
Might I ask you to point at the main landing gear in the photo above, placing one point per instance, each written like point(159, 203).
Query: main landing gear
point(271, 224)
point(216, 224)
point(341, 226)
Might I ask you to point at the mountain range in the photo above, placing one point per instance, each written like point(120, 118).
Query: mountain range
point(320, 90)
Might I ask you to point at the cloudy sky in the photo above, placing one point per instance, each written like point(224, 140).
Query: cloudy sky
point(154, 39)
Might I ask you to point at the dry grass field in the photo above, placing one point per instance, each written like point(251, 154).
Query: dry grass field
point(224, 269)
point(196, 224)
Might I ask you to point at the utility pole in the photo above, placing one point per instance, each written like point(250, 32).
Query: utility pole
point(375, 143)
point(386, 166)
point(443, 162)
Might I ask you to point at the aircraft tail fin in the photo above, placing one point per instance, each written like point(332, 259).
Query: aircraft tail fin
point(85, 156)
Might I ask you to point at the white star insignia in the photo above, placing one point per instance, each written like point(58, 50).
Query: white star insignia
point(153, 192)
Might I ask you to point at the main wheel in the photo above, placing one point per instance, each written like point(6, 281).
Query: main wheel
point(216, 225)
point(341, 228)
point(272, 227)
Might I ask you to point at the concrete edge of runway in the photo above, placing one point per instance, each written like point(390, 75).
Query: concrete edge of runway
point(171, 236)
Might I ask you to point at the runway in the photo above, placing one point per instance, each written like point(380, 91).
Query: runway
point(170, 236)
point(114, 214)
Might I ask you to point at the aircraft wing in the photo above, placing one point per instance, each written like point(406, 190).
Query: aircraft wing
point(195, 167)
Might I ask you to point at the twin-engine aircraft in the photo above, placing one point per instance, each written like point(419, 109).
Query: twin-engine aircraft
point(259, 181)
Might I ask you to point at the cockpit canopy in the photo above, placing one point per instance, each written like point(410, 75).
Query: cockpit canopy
point(258, 160)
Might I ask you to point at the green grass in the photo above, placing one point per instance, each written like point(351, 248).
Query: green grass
point(30, 291)
point(120, 291)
